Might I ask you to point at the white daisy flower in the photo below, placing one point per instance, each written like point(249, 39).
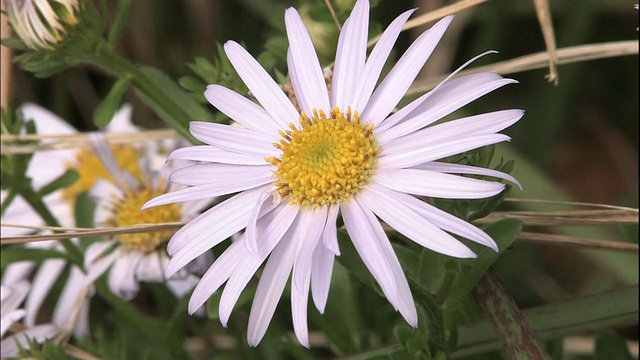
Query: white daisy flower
point(136, 257)
point(343, 153)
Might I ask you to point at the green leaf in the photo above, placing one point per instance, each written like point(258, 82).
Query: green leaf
point(119, 21)
point(584, 314)
point(63, 181)
point(504, 233)
point(610, 346)
point(109, 105)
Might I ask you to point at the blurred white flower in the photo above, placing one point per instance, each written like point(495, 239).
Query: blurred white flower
point(136, 257)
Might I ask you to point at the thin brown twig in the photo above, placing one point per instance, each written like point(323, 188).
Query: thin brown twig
point(434, 15)
point(546, 24)
point(572, 203)
point(565, 218)
point(333, 14)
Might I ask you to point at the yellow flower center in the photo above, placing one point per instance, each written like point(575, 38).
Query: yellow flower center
point(326, 161)
point(90, 169)
point(127, 212)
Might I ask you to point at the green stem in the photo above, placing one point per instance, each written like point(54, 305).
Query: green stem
point(107, 59)
point(38, 205)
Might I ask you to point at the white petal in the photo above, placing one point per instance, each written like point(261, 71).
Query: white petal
point(299, 302)
point(261, 85)
point(271, 285)
point(373, 67)
point(418, 153)
point(150, 268)
point(242, 110)
point(207, 174)
point(96, 268)
point(9, 319)
point(312, 90)
point(16, 271)
point(71, 298)
point(321, 270)
point(234, 139)
point(210, 228)
point(213, 154)
point(266, 202)
point(395, 211)
point(436, 184)
point(371, 253)
point(46, 122)
point(350, 57)
point(121, 121)
point(466, 169)
point(44, 280)
point(217, 274)
point(405, 303)
point(122, 281)
point(312, 222)
point(395, 85)
point(39, 334)
point(443, 102)
point(330, 232)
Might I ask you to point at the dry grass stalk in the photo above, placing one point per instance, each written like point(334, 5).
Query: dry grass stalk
point(563, 240)
point(566, 218)
point(546, 24)
point(539, 60)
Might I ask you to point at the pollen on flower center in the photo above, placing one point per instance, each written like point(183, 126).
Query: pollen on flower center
point(90, 168)
point(326, 161)
point(127, 212)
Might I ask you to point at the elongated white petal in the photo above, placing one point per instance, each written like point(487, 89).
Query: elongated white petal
point(483, 124)
point(312, 89)
point(466, 169)
point(213, 154)
point(436, 184)
point(9, 318)
point(234, 139)
point(450, 98)
point(371, 253)
point(97, 267)
point(273, 226)
point(313, 222)
point(71, 298)
point(206, 191)
point(405, 303)
point(266, 202)
point(330, 232)
point(208, 174)
point(299, 302)
point(44, 280)
point(122, 276)
point(449, 222)
point(321, 270)
point(350, 56)
point(217, 274)
point(395, 211)
point(261, 85)
point(419, 153)
point(373, 67)
point(395, 85)
point(242, 110)
point(271, 285)
point(209, 229)
point(150, 268)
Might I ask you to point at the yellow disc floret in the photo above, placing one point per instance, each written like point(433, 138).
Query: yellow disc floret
point(327, 160)
point(126, 212)
point(90, 168)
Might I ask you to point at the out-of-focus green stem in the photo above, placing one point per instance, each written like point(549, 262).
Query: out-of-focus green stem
point(38, 205)
point(105, 57)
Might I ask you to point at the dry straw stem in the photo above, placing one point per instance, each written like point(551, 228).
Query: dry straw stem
point(546, 24)
point(563, 240)
point(434, 15)
point(66, 233)
point(539, 60)
point(566, 218)
point(11, 143)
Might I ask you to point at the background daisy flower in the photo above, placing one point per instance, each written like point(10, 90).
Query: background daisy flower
point(295, 170)
point(131, 258)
